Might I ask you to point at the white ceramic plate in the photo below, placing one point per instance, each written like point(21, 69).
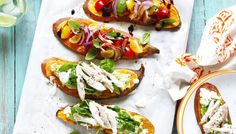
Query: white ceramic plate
point(225, 81)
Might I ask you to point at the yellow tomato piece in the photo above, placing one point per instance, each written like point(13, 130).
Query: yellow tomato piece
point(133, 75)
point(135, 46)
point(65, 33)
point(130, 5)
point(76, 38)
point(61, 25)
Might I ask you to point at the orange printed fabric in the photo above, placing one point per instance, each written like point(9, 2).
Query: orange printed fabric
point(216, 52)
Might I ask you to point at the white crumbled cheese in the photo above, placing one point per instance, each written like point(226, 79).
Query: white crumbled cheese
point(207, 96)
point(140, 104)
point(64, 76)
point(67, 110)
point(217, 119)
point(136, 81)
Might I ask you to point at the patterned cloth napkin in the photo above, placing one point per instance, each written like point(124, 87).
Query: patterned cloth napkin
point(216, 52)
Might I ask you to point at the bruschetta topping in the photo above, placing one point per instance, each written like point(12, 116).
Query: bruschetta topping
point(92, 79)
point(90, 113)
point(214, 113)
point(97, 40)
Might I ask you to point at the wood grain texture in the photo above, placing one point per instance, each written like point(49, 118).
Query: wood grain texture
point(7, 80)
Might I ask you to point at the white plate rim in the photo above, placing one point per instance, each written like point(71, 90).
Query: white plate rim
point(191, 90)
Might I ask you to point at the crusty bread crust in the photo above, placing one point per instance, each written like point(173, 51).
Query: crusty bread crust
point(197, 105)
point(45, 66)
point(147, 50)
point(174, 14)
point(146, 124)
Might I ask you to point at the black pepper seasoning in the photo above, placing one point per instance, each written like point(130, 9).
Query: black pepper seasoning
point(72, 12)
point(131, 29)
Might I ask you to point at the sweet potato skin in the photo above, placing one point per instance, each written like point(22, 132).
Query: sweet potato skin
point(147, 51)
point(175, 15)
point(197, 105)
point(146, 123)
point(45, 66)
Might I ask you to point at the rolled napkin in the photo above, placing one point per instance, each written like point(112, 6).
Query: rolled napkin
point(216, 52)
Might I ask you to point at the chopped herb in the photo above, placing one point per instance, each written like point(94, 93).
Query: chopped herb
point(82, 109)
point(121, 7)
point(65, 67)
point(97, 43)
point(92, 53)
point(203, 109)
point(145, 39)
point(114, 36)
point(74, 132)
point(166, 22)
point(116, 89)
point(115, 108)
point(91, 91)
point(108, 65)
point(74, 25)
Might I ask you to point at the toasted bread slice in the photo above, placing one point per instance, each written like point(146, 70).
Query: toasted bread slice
point(46, 69)
point(147, 50)
point(89, 8)
point(197, 105)
point(146, 124)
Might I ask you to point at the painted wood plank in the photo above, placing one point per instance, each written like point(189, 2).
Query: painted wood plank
point(197, 25)
point(6, 80)
point(214, 6)
point(24, 35)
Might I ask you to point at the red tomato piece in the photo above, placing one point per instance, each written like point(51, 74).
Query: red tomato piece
point(163, 13)
point(99, 5)
point(129, 52)
point(118, 43)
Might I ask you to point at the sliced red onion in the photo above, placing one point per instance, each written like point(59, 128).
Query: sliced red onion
point(144, 6)
point(90, 43)
point(82, 38)
point(91, 33)
point(103, 39)
point(124, 44)
point(114, 6)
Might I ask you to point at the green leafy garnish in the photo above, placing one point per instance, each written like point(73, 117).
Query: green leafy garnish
point(90, 90)
point(72, 83)
point(166, 22)
point(125, 122)
point(108, 65)
point(203, 109)
point(114, 36)
point(145, 38)
point(92, 53)
point(74, 132)
point(82, 109)
point(116, 89)
point(121, 7)
point(97, 43)
point(65, 67)
point(74, 25)
point(115, 108)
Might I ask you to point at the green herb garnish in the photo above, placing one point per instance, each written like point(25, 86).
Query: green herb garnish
point(74, 25)
point(121, 7)
point(108, 65)
point(92, 53)
point(114, 36)
point(145, 38)
point(97, 43)
point(166, 22)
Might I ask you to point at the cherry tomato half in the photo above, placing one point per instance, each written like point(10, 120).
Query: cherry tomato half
point(99, 5)
point(129, 53)
point(163, 13)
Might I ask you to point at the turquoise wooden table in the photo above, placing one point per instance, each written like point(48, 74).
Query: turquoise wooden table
point(15, 46)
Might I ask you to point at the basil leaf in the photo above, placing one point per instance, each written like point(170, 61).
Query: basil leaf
point(145, 39)
point(97, 43)
point(121, 7)
point(92, 53)
point(166, 22)
point(74, 25)
point(74, 132)
point(65, 67)
point(114, 35)
point(108, 65)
